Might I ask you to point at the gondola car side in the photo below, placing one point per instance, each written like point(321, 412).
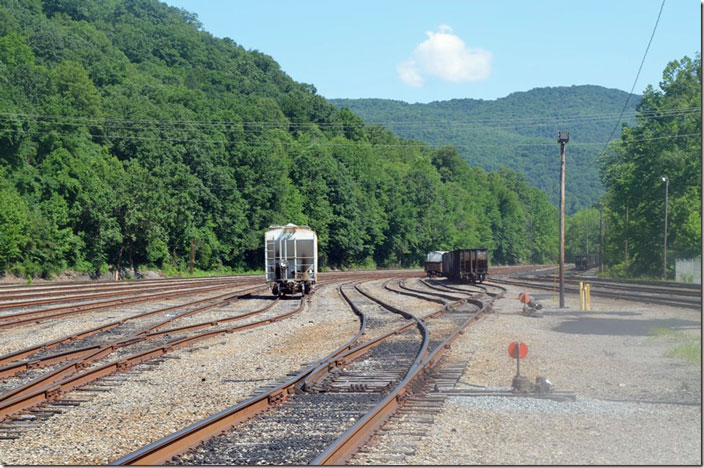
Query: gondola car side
point(470, 265)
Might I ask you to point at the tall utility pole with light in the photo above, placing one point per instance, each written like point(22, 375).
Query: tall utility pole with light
point(664, 256)
point(562, 138)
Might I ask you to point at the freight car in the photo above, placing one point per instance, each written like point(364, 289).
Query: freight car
point(586, 261)
point(290, 259)
point(466, 264)
point(433, 263)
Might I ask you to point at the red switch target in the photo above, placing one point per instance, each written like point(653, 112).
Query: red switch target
point(522, 349)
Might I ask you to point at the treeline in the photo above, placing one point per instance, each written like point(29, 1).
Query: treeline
point(664, 142)
point(126, 133)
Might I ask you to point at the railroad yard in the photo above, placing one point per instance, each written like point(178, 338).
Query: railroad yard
point(99, 373)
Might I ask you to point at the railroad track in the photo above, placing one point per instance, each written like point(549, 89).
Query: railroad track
point(135, 349)
point(32, 296)
point(675, 296)
point(72, 364)
point(333, 393)
point(133, 361)
point(37, 316)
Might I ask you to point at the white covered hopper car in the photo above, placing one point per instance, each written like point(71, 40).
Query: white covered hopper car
point(290, 259)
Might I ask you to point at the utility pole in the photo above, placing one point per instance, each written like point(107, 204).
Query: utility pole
point(562, 138)
point(601, 241)
point(664, 256)
point(193, 250)
point(625, 259)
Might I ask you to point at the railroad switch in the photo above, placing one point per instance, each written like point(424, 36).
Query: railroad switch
point(530, 307)
point(522, 385)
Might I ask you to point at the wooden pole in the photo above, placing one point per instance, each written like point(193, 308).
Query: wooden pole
point(562, 225)
point(664, 259)
point(192, 254)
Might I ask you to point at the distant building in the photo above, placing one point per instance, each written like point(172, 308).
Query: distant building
point(688, 270)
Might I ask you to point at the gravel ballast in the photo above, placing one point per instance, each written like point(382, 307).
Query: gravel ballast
point(634, 404)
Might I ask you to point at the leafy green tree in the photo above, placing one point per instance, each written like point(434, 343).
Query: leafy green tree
point(582, 233)
point(665, 142)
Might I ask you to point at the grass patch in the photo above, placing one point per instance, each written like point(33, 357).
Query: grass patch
point(683, 346)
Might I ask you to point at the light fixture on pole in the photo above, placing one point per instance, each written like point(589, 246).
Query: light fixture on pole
point(562, 138)
point(664, 256)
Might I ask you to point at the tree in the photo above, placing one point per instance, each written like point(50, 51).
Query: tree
point(665, 142)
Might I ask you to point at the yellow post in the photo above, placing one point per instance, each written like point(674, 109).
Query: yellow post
point(581, 295)
point(589, 296)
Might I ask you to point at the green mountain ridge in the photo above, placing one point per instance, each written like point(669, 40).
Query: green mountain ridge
point(517, 131)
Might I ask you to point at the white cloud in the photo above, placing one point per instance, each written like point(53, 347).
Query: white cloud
point(445, 56)
point(408, 72)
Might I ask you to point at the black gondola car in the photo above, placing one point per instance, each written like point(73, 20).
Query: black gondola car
point(466, 265)
point(586, 261)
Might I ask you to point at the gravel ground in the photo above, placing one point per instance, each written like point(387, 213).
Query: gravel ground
point(194, 384)
point(634, 405)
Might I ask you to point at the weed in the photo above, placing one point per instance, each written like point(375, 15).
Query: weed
point(684, 346)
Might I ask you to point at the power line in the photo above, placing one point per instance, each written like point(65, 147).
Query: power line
point(247, 127)
point(293, 123)
point(252, 143)
point(634, 82)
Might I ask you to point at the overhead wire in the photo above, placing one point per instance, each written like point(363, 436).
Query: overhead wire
point(608, 140)
point(252, 126)
point(253, 143)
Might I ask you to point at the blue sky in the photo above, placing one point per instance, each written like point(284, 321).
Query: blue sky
point(422, 50)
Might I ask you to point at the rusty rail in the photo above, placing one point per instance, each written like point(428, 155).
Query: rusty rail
point(347, 444)
point(180, 441)
point(100, 288)
point(95, 306)
point(15, 368)
point(54, 390)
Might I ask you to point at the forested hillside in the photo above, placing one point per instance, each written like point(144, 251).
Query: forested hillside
point(518, 132)
point(666, 143)
point(127, 132)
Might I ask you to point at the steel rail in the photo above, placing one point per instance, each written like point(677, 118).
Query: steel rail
point(113, 287)
point(348, 352)
point(366, 346)
point(17, 355)
point(99, 295)
point(664, 284)
point(466, 291)
point(54, 390)
point(613, 295)
point(419, 293)
point(163, 450)
point(92, 354)
point(144, 332)
point(166, 448)
point(347, 444)
point(95, 306)
point(646, 288)
point(100, 283)
point(445, 288)
point(420, 324)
